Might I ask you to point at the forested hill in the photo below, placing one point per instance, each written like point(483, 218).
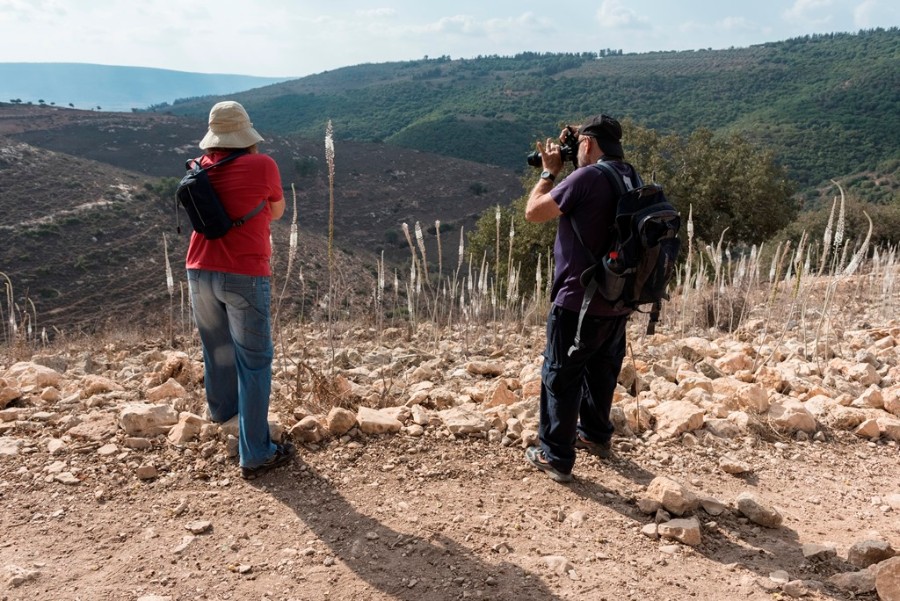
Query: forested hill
point(829, 104)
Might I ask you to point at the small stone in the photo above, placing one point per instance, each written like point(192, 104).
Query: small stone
point(733, 466)
point(685, 531)
point(56, 447)
point(712, 506)
point(576, 518)
point(198, 526)
point(795, 588)
point(67, 478)
point(671, 495)
point(147, 472)
point(869, 552)
point(107, 450)
point(18, 576)
point(186, 541)
point(862, 581)
point(780, 577)
point(340, 421)
point(138, 443)
point(651, 531)
point(753, 508)
point(558, 564)
point(818, 552)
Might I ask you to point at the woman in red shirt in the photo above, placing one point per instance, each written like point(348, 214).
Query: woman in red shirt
point(230, 290)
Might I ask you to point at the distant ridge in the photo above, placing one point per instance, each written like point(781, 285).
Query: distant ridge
point(114, 88)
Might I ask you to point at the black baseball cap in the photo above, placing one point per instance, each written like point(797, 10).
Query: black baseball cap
point(608, 133)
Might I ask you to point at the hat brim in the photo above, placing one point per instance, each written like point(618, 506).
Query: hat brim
point(235, 139)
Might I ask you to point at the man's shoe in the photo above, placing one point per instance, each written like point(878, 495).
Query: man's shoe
point(535, 457)
point(603, 450)
point(283, 453)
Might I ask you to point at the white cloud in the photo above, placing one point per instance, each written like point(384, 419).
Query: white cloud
point(514, 28)
point(737, 24)
point(868, 14)
point(809, 12)
point(376, 13)
point(613, 14)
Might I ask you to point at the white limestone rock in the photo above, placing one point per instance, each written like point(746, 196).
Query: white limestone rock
point(672, 496)
point(144, 419)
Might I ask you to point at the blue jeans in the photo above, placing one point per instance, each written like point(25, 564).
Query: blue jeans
point(577, 390)
point(232, 315)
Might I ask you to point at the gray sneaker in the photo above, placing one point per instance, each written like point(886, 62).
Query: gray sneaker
point(283, 454)
point(603, 450)
point(535, 456)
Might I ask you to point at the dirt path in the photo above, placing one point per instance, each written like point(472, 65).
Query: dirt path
point(432, 518)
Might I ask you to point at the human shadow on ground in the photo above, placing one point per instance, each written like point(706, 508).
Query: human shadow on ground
point(727, 538)
point(403, 566)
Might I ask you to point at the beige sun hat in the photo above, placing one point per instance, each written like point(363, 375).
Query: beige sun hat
point(229, 127)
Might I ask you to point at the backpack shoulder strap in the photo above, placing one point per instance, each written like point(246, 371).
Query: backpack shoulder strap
point(230, 157)
point(616, 178)
point(612, 174)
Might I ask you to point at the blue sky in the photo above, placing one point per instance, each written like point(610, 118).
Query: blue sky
point(296, 38)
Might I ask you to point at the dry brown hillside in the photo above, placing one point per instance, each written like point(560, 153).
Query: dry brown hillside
point(83, 221)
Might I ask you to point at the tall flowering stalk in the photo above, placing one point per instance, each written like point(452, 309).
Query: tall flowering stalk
point(437, 232)
point(292, 251)
point(511, 279)
point(826, 237)
point(170, 286)
point(12, 327)
point(497, 216)
point(329, 158)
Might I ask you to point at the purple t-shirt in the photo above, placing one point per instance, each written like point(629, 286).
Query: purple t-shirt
point(588, 197)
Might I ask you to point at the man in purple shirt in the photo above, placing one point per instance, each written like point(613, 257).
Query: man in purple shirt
point(577, 384)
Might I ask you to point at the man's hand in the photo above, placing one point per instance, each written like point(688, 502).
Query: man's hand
point(565, 133)
point(550, 157)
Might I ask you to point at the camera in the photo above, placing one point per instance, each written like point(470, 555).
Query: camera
point(567, 151)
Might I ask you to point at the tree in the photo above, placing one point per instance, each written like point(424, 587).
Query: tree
point(728, 182)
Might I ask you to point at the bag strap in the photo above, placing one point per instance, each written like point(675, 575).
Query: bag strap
point(230, 157)
point(251, 214)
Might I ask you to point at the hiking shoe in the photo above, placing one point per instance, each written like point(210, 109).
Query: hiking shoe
point(283, 453)
point(603, 450)
point(535, 457)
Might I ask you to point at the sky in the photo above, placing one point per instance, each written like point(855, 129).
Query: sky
point(295, 38)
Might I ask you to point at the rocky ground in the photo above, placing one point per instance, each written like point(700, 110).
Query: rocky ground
point(746, 467)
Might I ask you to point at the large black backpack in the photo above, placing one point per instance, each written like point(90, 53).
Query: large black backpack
point(198, 197)
point(640, 263)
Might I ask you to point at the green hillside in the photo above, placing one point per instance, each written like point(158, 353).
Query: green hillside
point(829, 104)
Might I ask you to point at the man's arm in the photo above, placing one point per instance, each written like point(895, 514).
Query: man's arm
point(541, 207)
point(277, 209)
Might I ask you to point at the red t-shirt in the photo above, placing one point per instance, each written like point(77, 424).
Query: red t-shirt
point(241, 185)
